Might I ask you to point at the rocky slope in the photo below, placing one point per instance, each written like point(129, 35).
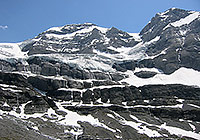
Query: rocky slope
point(83, 81)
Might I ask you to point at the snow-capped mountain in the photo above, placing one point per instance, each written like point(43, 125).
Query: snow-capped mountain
point(80, 39)
point(82, 81)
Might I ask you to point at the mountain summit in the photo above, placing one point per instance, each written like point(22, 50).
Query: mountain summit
point(83, 81)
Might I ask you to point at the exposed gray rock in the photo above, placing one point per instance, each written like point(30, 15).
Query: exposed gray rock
point(60, 95)
point(87, 84)
point(125, 65)
point(118, 67)
point(164, 91)
point(75, 84)
point(45, 84)
point(13, 79)
point(117, 76)
point(6, 66)
point(36, 69)
point(101, 76)
point(76, 96)
point(103, 83)
point(38, 105)
point(87, 96)
point(12, 128)
point(145, 74)
point(155, 27)
point(48, 69)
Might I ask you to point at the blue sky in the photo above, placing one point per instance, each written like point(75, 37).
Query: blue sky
point(24, 19)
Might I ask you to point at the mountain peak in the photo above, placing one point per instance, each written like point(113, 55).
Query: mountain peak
point(161, 21)
point(172, 11)
point(71, 26)
point(86, 24)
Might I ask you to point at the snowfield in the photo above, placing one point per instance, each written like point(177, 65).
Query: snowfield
point(183, 76)
point(71, 35)
point(184, 21)
point(11, 50)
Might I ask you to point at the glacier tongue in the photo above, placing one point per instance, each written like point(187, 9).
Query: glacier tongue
point(11, 50)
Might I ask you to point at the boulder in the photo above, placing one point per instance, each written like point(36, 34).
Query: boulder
point(117, 76)
point(145, 74)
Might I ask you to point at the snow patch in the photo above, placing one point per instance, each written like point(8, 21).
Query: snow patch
point(192, 126)
point(163, 106)
point(180, 100)
point(6, 86)
point(136, 125)
point(183, 76)
point(147, 69)
point(75, 132)
point(138, 51)
point(136, 36)
point(22, 114)
point(71, 35)
point(35, 128)
point(187, 20)
point(55, 29)
point(194, 105)
point(6, 104)
point(12, 90)
point(180, 132)
point(161, 53)
point(163, 13)
point(72, 119)
point(172, 130)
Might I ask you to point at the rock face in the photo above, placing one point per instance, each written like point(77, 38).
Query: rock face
point(82, 82)
point(145, 74)
point(114, 107)
point(175, 39)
